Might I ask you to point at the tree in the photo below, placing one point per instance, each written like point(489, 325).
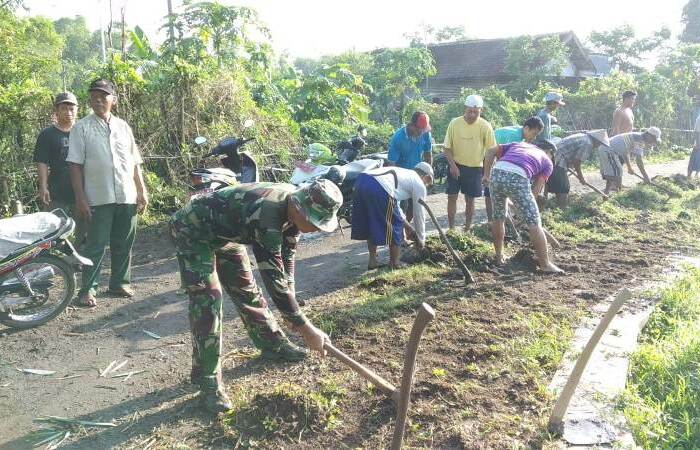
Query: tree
point(395, 75)
point(332, 93)
point(225, 30)
point(691, 19)
point(11, 5)
point(533, 59)
point(624, 49)
point(429, 34)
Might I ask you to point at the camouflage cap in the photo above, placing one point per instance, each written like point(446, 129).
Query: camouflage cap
point(319, 202)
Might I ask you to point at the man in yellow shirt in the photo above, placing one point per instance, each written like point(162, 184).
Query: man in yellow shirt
point(466, 141)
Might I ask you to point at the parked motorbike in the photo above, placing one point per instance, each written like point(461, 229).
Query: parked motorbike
point(342, 173)
point(37, 268)
point(348, 151)
point(239, 166)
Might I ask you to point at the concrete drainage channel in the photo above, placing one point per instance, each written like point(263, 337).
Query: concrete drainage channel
point(592, 420)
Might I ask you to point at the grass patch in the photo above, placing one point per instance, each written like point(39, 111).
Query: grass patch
point(662, 400)
point(380, 297)
point(644, 197)
point(287, 412)
point(541, 347)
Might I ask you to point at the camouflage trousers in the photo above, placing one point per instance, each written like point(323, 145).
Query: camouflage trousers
point(204, 268)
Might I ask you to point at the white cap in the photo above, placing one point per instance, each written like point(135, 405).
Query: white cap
point(425, 168)
point(474, 101)
point(654, 131)
point(554, 97)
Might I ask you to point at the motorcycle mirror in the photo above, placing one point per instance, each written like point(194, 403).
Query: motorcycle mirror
point(248, 123)
point(200, 140)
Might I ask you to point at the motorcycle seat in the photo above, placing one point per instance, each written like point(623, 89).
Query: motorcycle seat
point(21, 231)
point(355, 168)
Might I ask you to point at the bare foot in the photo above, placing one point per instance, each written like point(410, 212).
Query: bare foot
point(499, 261)
point(398, 266)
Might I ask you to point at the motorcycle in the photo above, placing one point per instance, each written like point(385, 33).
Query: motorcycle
point(349, 150)
point(342, 173)
point(37, 268)
point(239, 166)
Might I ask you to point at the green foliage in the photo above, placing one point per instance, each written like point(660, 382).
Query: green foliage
point(691, 20)
point(625, 49)
point(330, 134)
point(331, 93)
point(224, 30)
point(662, 401)
point(394, 74)
point(592, 104)
point(534, 59)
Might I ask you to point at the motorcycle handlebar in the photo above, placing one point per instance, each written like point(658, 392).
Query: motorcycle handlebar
point(229, 149)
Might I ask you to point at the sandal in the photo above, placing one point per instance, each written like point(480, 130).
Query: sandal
point(122, 291)
point(86, 301)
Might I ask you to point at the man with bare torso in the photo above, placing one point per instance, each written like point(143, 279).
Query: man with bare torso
point(623, 117)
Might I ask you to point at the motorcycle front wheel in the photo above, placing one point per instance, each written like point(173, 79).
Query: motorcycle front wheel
point(53, 282)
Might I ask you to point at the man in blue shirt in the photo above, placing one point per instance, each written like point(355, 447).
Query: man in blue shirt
point(412, 143)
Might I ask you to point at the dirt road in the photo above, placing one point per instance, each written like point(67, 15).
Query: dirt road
point(84, 342)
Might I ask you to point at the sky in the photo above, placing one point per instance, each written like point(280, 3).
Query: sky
point(311, 28)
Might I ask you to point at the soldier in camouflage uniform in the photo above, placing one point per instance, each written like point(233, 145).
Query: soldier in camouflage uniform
point(210, 233)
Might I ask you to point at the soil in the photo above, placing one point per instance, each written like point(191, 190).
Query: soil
point(158, 406)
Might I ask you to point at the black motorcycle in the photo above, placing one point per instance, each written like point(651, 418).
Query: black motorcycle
point(238, 166)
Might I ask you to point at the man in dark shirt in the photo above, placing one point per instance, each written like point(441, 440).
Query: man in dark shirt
point(55, 190)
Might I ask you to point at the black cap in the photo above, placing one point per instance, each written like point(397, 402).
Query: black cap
point(102, 85)
point(65, 97)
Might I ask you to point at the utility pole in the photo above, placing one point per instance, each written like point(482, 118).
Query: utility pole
point(171, 27)
point(102, 33)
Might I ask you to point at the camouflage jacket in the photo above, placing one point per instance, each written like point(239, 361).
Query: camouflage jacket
point(254, 214)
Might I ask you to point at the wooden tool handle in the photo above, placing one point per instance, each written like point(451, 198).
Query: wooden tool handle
point(423, 318)
point(366, 373)
point(667, 191)
point(591, 187)
point(467, 274)
point(557, 416)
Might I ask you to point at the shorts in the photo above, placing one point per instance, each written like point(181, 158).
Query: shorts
point(558, 182)
point(610, 165)
point(694, 162)
point(508, 185)
point(376, 216)
point(468, 183)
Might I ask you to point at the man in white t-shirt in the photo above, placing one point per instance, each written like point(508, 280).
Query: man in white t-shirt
point(376, 215)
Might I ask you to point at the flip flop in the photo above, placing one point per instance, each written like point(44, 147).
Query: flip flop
point(121, 292)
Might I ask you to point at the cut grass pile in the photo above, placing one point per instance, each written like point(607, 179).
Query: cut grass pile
point(662, 401)
point(591, 219)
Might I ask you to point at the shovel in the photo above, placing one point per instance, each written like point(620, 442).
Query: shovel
point(468, 278)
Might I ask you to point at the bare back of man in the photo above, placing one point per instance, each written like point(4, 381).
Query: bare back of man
point(623, 120)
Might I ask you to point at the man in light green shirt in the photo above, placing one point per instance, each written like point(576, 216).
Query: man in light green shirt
point(105, 170)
